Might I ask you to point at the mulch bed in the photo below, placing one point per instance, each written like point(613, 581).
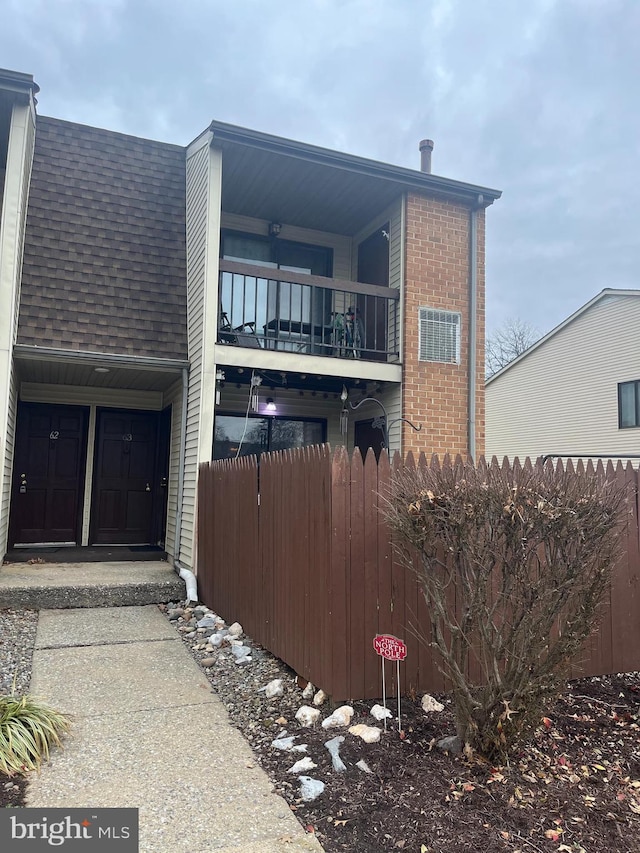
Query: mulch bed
point(574, 789)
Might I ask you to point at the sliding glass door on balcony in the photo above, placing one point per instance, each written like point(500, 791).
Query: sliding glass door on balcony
point(292, 314)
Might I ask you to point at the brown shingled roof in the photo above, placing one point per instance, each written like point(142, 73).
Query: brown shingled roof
point(104, 259)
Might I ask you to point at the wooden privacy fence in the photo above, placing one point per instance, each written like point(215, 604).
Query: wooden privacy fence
point(294, 547)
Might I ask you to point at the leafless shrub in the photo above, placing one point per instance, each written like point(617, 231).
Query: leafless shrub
point(526, 553)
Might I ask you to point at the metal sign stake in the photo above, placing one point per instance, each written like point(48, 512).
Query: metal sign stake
point(390, 648)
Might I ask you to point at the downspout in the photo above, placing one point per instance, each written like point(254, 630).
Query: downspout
point(186, 574)
point(473, 323)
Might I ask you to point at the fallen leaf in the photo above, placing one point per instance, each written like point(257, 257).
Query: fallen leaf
point(553, 834)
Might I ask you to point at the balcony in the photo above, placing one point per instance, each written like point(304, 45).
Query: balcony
point(276, 309)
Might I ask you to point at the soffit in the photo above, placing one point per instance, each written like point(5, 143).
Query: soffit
point(279, 188)
point(47, 372)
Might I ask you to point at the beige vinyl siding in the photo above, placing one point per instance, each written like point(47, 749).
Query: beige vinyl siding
point(13, 212)
point(7, 461)
point(391, 398)
point(341, 245)
point(563, 396)
point(30, 141)
point(197, 208)
point(203, 233)
point(173, 398)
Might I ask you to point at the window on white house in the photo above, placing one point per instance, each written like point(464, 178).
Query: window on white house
point(439, 336)
point(628, 404)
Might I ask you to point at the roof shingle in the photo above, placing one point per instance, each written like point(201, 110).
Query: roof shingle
point(104, 260)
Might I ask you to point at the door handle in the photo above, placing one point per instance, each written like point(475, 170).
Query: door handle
point(148, 487)
point(23, 484)
point(163, 483)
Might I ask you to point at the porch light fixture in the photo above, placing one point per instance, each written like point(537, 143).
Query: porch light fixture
point(274, 229)
point(271, 406)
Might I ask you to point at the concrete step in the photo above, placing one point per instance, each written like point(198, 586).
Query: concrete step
point(60, 585)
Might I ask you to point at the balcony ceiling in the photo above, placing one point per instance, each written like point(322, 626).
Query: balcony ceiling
point(279, 188)
point(281, 180)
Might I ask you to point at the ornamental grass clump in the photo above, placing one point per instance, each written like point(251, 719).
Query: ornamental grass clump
point(514, 563)
point(28, 728)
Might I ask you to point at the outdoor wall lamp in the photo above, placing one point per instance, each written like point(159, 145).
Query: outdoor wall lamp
point(271, 405)
point(274, 229)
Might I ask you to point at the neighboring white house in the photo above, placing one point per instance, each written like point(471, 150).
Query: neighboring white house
point(576, 392)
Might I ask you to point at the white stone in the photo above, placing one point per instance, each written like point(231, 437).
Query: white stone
point(430, 704)
point(235, 630)
point(319, 698)
point(362, 765)
point(380, 713)
point(274, 688)
point(308, 691)
point(284, 743)
point(302, 765)
point(340, 717)
point(333, 746)
point(369, 734)
point(310, 788)
point(307, 716)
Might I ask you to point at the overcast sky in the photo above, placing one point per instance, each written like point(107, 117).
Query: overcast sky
point(540, 99)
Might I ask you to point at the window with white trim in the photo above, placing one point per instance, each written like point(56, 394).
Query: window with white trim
point(439, 336)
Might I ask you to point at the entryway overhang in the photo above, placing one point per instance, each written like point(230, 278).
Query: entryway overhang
point(43, 366)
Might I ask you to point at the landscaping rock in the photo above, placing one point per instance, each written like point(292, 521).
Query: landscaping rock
point(369, 734)
point(235, 630)
point(274, 689)
point(308, 691)
point(451, 744)
point(333, 746)
point(307, 716)
point(310, 788)
point(320, 698)
point(379, 712)
point(340, 717)
point(430, 704)
point(302, 765)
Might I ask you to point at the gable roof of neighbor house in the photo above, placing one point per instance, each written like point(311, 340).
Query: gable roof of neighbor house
point(314, 186)
point(104, 259)
point(608, 291)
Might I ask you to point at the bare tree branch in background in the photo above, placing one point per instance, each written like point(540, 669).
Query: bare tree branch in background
point(508, 342)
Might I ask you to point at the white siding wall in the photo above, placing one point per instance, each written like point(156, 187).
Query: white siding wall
point(13, 212)
point(563, 397)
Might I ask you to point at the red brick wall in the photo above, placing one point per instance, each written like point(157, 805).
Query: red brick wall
point(437, 276)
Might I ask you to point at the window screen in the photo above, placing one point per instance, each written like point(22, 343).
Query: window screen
point(439, 336)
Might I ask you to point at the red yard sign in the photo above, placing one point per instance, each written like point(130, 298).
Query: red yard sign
point(389, 647)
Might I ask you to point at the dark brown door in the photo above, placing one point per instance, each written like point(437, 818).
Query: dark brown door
point(126, 478)
point(373, 268)
point(366, 436)
point(48, 475)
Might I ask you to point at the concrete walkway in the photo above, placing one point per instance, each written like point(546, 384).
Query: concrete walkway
point(149, 733)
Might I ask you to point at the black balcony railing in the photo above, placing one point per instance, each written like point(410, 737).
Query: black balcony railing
point(277, 309)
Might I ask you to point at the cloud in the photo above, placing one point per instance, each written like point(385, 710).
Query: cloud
point(536, 99)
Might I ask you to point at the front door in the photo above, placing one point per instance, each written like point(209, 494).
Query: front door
point(48, 474)
point(127, 490)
